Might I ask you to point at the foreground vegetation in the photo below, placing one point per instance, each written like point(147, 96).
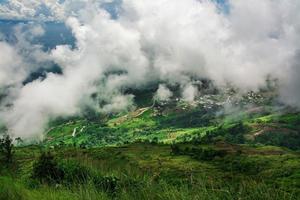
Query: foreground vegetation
point(153, 171)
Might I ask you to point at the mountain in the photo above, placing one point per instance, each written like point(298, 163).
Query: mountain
point(222, 145)
point(252, 118)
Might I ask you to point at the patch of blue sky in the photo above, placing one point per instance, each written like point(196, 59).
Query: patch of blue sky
point(223, 6)
point(113, 8)
point(3, 1)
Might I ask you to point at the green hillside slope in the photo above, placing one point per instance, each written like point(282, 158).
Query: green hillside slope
point(220, 146)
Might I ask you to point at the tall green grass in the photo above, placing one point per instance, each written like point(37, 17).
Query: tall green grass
point(10, 189)
point(150, 171)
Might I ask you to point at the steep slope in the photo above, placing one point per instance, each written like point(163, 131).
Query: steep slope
point(252, 118)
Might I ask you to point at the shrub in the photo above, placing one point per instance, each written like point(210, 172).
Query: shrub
point(46, 169)
point(73, 172)
point(206, 153)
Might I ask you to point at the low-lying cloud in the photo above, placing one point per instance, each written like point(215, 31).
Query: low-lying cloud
point(152, 41)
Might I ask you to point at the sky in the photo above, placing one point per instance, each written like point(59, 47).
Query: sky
point(60, 57)
point(58, 10)
point(50, 10)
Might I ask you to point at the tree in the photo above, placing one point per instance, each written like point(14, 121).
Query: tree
point(6, 148)
point(19, 141)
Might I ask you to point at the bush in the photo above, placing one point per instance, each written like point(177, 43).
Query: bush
point(73, 172)
point(46, 169)
point(206, 153)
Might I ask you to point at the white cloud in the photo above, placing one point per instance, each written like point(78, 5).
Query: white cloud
point(11, 71)
point(189, 93)
point(50, 10)
point(157, 41)
point(32, 9)
point(163, 93)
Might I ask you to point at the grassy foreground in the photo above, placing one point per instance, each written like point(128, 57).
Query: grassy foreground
point(157, 171)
